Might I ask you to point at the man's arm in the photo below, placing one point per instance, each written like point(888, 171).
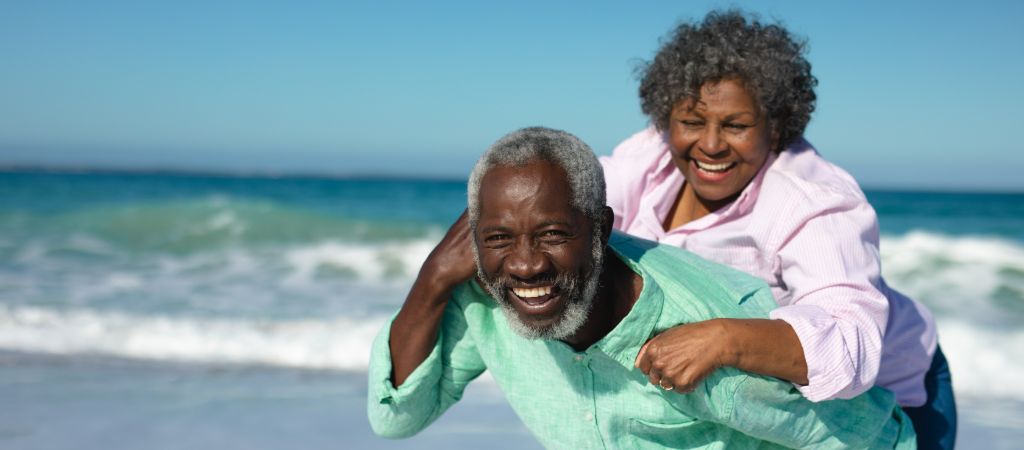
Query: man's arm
point(415, 328)
point(422, 360)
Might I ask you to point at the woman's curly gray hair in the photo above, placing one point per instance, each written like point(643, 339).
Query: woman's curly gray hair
point(726, 45)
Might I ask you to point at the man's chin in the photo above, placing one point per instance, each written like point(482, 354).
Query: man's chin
point(564, 322)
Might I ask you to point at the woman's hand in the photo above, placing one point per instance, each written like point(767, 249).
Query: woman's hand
point(681, 357)
point(451, 262)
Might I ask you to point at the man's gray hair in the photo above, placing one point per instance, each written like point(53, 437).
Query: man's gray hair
point(516, 149)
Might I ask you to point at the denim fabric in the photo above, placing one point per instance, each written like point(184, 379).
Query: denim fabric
point(935, 421)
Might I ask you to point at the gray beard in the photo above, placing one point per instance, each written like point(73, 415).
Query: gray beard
point(579, 301)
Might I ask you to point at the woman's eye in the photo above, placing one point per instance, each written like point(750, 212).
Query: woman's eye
point(737, 126)
point(692, 123)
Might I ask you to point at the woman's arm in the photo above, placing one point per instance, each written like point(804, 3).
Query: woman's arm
point(832, 269)
point(827, 339)
point(686, 354)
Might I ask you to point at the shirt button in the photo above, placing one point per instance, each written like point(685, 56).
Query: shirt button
point(588, 417)
point(578, 358)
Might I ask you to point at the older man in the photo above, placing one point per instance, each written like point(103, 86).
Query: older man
point(559, 312)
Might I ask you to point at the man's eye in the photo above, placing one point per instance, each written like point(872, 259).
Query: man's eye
point(496, 238)
point(553, 234)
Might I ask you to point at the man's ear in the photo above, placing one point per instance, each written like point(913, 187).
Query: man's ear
point(606, 224)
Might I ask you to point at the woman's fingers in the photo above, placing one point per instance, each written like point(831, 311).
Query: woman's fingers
point(679, 358)
point(640, 360)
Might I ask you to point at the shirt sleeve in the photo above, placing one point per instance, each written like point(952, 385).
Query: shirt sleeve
point(831, 266)
point(626, 172)
point(775, 411)
point(431, 389)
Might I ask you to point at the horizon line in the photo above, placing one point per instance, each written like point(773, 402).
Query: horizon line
point(220, 173)
point(327, 175)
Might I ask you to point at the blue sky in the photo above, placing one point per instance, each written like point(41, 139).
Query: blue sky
point(923, 95)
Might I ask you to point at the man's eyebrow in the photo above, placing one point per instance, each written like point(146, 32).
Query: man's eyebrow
point(493, 228)
point(550, 223)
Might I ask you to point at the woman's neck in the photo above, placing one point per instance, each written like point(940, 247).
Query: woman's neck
point(689, 207)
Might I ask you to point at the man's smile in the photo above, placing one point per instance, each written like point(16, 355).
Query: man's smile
point(536, 300)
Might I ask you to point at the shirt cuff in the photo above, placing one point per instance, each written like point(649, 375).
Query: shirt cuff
point(830, 373)
point(425, 376)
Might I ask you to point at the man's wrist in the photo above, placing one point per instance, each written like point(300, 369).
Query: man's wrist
point(430, 291)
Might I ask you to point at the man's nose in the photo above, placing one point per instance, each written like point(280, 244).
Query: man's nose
point(526, 261)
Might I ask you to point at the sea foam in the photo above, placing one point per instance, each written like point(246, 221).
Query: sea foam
point(338, 343)
point(317, 305)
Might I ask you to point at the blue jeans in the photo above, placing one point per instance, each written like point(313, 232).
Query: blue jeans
point(935, 421)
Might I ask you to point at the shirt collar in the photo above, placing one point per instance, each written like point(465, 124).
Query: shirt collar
point(624, 341)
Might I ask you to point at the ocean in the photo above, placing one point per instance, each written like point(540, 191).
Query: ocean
point(167, 310)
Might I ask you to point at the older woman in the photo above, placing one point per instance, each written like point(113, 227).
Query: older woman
point(724, 172)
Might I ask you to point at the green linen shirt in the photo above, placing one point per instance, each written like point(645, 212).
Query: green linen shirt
point(597, 399)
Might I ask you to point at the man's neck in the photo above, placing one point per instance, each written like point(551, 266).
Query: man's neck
point(617, 291)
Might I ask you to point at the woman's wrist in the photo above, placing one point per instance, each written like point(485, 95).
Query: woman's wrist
point(730, 349)
point(763, 346)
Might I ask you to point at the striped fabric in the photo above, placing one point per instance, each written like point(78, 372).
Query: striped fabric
point(804, 226)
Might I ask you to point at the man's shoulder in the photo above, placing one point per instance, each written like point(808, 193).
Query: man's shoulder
point(680, 264)
point(471, 299)
point(693, 283)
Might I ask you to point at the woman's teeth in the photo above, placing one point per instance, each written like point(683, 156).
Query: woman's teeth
point(532, 292)
point(713, 167)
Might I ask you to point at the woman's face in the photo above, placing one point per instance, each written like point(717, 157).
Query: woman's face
point(720, 141)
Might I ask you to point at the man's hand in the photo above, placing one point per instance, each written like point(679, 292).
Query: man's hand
point(681, 357)
point(451, 262)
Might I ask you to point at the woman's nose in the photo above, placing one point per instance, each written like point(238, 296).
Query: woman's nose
point(711, 142)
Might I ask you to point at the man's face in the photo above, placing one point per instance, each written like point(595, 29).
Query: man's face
point(537, 253)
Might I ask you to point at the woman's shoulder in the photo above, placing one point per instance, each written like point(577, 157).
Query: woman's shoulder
point(801, 187)
point(646, 145)
point(801, 174)
point(636, 164)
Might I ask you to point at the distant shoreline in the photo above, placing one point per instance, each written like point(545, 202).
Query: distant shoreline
point(215, 173)
point(371, 176)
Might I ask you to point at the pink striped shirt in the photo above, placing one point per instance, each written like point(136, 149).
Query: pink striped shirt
point(804, 226)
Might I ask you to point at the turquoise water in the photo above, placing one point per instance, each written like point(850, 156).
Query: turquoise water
point(246, 281)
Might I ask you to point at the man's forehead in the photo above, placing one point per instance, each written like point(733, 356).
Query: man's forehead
point(513, 181)
point(538, 182)
point(525, 179)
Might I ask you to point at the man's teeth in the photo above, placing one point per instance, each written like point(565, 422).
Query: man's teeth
point(712, 167)
point(532, 292)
